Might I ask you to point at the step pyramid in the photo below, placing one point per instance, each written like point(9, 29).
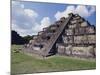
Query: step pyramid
point(72, 31)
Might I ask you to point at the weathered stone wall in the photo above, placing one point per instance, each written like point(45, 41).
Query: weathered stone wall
point(68, 39)
point(73, 21)
point(90, 29)
point(80, 39)
point(70, 50)
point(72, 25)
point(61, 49)
point(76, 18)
point(84, 24)
point(91, 39)
point(83, 51)
point(69, 32)
point(74, 32)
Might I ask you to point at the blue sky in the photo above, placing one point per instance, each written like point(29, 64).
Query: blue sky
point(28, 18)
point(45, 9)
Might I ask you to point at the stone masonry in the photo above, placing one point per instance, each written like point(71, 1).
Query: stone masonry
point(71, 36)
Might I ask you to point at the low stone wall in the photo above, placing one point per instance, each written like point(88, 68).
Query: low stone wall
point(83, 51)
point(77, 51)
point(65, 50)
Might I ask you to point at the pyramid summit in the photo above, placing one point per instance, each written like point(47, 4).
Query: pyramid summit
point(72, 36)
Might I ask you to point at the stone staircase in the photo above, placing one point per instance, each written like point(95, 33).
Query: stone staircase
point(48, 44)
point(55, 36)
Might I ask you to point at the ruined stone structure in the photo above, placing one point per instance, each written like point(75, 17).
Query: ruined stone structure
point(72, 36)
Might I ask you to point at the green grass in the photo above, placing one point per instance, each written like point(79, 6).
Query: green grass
point(21, 63)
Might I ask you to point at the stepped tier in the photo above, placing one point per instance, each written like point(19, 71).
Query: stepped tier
point(73, 31)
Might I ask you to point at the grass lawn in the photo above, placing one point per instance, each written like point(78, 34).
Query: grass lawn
point(21, 63)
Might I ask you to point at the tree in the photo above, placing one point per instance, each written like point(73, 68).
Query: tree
point(17, 39)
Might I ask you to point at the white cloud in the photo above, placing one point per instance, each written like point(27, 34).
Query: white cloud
point(22, 17)
point(82, 10)
point(92, 9)
point(24, 20)
point(69, 9)
point(45, 22)
point(30, 13)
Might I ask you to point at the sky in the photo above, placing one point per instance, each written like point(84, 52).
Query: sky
point(28, 18)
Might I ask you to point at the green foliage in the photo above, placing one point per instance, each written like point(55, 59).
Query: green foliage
point(28, 37)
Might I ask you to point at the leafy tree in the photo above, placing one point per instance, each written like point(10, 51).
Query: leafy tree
point(17, 39)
